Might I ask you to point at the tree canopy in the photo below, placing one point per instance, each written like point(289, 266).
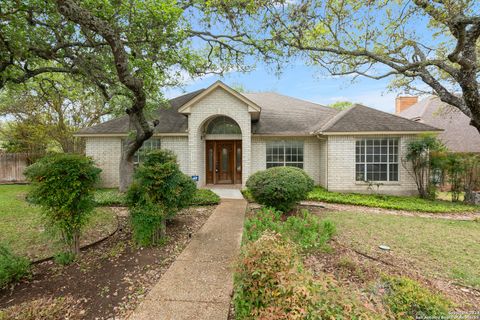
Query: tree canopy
point(424, 46)
point(129, 50)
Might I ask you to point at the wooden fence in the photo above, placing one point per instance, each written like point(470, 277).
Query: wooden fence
point(12, 166)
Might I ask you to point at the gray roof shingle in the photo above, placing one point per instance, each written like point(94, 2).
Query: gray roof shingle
point(458, 135)
point(285, 115)
point(360, 118)
point(280, 115)
point(170, 121)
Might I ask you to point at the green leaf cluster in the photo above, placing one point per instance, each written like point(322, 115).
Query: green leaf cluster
point(12, 267)
point(158, 192)
point(305, 230)
point(63, 186)
point(407, 299)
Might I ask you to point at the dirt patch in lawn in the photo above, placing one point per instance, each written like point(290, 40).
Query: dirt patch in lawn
point(363, 275)
point(109, 279)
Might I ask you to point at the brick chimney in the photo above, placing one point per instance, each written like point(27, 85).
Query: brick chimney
point(402, 103)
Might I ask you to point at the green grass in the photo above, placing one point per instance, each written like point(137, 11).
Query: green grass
point(109, 198)
point(390, 202)
point(440, 247)
point(22, 228)
point(205, 197)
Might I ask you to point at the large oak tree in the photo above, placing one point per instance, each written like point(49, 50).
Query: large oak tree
point(424, 46)
point(129, 50)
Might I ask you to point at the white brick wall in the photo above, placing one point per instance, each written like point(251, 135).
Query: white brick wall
point(219, 102)
point(106, 154)
point(341, 168)
point(322, 160)
point(311, 149)
point(179, 145)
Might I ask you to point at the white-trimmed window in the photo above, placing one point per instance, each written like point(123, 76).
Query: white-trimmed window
point(376, 159)
point(148, 145)
point(285, 153)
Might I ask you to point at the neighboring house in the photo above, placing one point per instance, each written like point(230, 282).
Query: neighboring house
point(458, 135)
point(222, 136)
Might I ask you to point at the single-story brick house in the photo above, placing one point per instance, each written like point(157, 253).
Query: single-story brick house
point(221, 136)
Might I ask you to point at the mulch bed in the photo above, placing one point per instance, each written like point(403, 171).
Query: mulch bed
point(109, 279)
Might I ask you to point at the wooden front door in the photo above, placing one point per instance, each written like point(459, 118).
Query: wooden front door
point(223, 161)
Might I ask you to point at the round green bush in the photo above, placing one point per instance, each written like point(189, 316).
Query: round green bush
point(280, 187)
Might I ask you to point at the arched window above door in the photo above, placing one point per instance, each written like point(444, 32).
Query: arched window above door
point(223, 125)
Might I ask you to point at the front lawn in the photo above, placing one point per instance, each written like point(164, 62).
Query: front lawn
point(390, 202)
point(22, 228)
point(445, 248)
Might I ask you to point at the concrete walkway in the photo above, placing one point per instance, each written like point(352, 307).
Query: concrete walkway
point(225, 193)
point(198, 285)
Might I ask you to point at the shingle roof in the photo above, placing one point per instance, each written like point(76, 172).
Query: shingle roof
point(280, 115)
point(458, 134)
point(288, 116)
point(360, 118)
point(170, 121)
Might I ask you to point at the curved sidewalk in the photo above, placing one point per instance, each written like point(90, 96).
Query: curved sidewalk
point(198, 285)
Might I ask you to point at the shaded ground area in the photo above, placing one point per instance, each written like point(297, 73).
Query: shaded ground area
point(109, 279)
point(22, 227)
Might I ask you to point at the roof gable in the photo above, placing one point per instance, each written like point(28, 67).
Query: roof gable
point(253, 108)
point(363, 119)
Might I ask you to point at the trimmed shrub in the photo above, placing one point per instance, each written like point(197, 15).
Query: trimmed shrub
point(305, 230)
point(204, 197)
point(407, 299)
point(63, 186)
point(148, 224)
point(12, 267)
point(280, 187)
point(158, 192)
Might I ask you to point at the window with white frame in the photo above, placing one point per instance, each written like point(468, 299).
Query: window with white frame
point(148, 145)
point(376, 159)
point(285, 153)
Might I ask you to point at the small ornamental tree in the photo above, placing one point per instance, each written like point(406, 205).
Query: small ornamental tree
point(63, 186)
point(419, 163)
point(158, 192)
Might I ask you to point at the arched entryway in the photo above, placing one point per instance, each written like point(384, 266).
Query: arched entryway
point(223, 151)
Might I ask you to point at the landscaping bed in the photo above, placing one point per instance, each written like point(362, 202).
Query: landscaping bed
point(406, 203)
point(108, 280)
